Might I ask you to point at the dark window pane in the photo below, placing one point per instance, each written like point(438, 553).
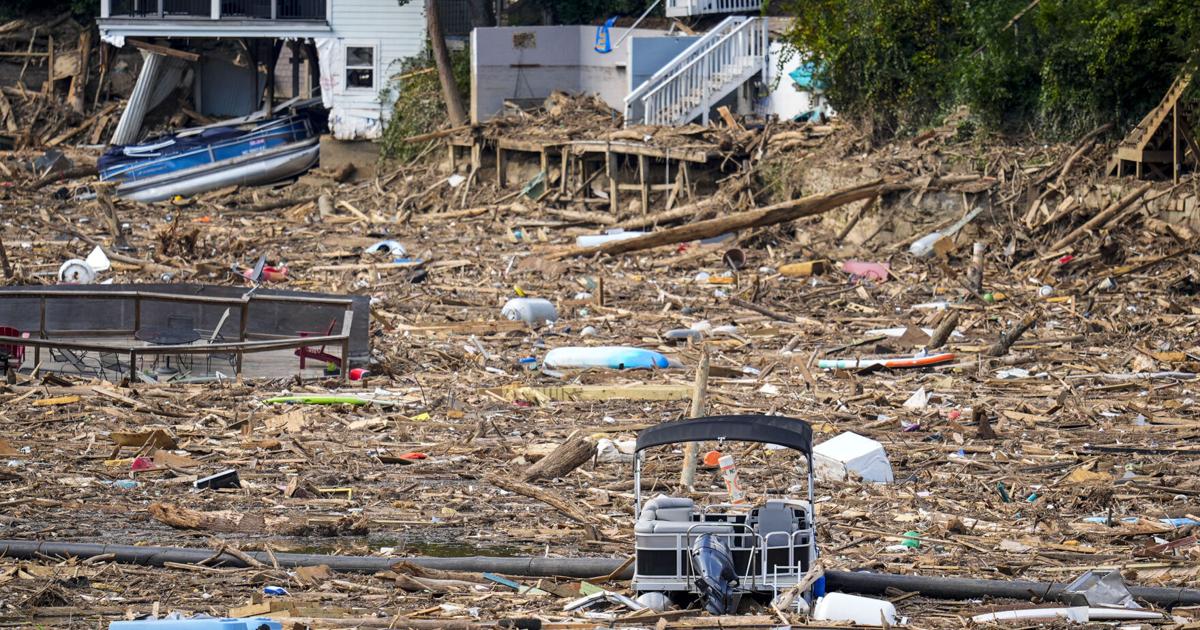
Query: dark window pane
point(360, 56)
point(360, 78)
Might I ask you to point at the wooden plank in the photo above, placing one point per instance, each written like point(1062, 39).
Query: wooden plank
point(163, 50)
point(54, 402)
point(632, 148)
point(6, 114)
point(465, 328)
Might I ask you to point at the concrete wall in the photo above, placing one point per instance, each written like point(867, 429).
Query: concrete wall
point(648, 54)
point(511, 62)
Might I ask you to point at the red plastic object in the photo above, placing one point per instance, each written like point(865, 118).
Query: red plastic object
point(15, 352)
point(1066, 259)
point(317, 352)
point(414, 456)
point(712, 459)
point(357, 374)
point(141, 463)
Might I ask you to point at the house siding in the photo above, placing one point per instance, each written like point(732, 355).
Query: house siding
point(397, 32)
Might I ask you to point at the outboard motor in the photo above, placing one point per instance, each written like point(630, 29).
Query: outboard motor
point(713, 563)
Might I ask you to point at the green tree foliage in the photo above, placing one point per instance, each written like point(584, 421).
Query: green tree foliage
point(84, 11)
point(1064, 66)
point(419, 106)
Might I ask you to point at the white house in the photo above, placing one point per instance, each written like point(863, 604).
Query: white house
point(227, 54)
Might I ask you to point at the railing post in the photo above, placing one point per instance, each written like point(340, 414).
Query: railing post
point(766, 52)
point(105, 8)
point(245, 315)
point(37, 351)
point(160, 9)
point(274, 10)
point(215, 10)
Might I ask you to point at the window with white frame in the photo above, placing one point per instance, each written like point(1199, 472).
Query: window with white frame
point(360, 66)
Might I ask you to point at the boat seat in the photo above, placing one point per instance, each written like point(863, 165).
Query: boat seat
point(671, 515)
point(775, 521)
point(664, 508)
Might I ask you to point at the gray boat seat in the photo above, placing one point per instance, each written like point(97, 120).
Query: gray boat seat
point(671, 515)
point(775, 517)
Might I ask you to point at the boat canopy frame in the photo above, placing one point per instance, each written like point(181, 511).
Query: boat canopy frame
point(793, 433)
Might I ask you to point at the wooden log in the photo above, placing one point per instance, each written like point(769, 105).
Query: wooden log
point(1102, 218)
point(553, 499)
point(227, 521)
point(975, 274)
point(943, 331)
point(434, 135)
point(78, 89)
point(770, 215)
point(6, 114)
point(569, 455)
point(1007, 339)
point(668, 216)
point(691, 450)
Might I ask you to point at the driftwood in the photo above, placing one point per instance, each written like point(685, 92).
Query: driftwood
point(943, 331)
point(975, 274)
point(554, 500)
point(1101, 218)
point(1008, 338)
point(569, 455)
point(770, 215)
point(691, 450)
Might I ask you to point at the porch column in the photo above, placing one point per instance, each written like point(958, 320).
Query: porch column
point(130, 124)
point(106, 8)
point(214, 11)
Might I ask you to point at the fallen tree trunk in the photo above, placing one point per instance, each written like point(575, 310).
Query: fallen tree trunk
point(1100, 219)
point(770, 215)
point(561, 461)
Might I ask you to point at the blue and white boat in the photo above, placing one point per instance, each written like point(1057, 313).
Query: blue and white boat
point(186, 164)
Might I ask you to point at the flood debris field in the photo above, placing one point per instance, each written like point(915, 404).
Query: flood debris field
point(1059, 438)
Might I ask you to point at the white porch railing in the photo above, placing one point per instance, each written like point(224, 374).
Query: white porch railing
point(702, 74)
point(684, 8)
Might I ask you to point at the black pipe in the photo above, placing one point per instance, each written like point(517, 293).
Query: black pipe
point(851, 581)
point(969, 588)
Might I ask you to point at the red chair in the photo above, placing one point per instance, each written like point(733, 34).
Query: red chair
point(13, 354)
point(313, 352)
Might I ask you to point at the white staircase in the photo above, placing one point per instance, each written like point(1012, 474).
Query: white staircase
point(704, 73)
point(687, 8)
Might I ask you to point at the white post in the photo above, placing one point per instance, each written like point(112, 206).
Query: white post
point(130, 124)
point(105, 8)
point(215, 10)
point(766, 52)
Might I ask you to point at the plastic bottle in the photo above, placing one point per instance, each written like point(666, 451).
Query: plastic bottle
point(533, 311)
point(683, 333)
point(923, 246)
point(730, 474)
point(614, 357)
